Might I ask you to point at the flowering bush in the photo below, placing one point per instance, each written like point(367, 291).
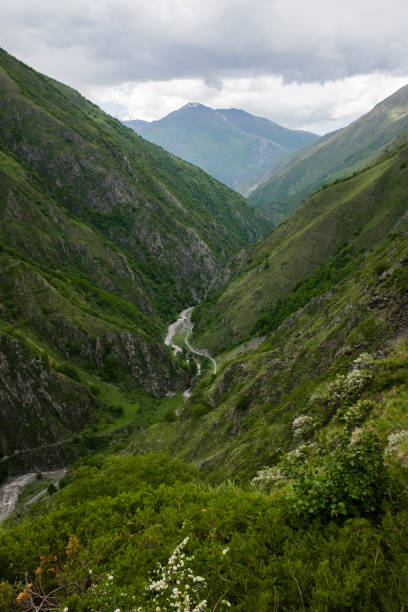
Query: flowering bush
point(107, 596)
point(301, 453)
point(301, 425)
point(344, 390)
point(394, 440)
point(176, 587)
point(267, 478)
point(354, 415)
point(363, 361)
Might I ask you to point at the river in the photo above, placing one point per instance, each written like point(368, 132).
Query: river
point(11, 489)
point(184, 326)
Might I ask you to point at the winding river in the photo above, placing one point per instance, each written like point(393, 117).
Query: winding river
point(10, 490)
point(182, 326)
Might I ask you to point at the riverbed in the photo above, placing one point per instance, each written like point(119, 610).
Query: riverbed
point(183, 326)
point(11, 489)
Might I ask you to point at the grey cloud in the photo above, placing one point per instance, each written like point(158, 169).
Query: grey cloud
point(109, 42)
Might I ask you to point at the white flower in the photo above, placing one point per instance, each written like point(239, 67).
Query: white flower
point(110, 577)
point(65, 609)
point(224, 552)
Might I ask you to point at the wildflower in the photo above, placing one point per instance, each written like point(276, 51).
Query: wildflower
point(110, 577)
point(224, 552)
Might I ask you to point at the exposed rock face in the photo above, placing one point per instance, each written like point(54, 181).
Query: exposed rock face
point(37, 405)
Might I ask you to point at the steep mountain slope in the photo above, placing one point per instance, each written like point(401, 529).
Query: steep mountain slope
point(104, 237)
point(358, 212)
point(333, 156)
point(298, 390)
point(230, 144)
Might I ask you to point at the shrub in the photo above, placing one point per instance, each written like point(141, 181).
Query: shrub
point(348, 481)
point(267, 478)
point(6, 595)
point(301, 425)
point(356, 414)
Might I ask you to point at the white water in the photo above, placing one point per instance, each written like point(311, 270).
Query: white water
point(184, 325)
point(10, 491)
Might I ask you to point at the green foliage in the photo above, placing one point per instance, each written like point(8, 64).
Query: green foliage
point(69, 370)
point(130, 513)
point(243, 403)
point(6, 595)
point(349, 481)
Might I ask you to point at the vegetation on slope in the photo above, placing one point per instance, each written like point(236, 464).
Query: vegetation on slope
point(306, 254)
point(332, 157)
point(104, 238)
point(242, 420)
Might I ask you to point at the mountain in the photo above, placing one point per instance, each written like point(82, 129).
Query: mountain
point(326, 288)
point(357, 212)
point(276, 482)
point(230, 144)
point(104, 238)
point(333, 156)
point(280, 484)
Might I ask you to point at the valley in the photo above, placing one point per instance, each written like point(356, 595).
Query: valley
point(176, 374)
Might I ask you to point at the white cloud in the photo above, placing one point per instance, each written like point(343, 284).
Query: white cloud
point(256, 54)
point(312, 106)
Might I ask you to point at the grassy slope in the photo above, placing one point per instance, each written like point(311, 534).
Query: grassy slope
point(241, 421)
point(358, 211)
point(333, 156)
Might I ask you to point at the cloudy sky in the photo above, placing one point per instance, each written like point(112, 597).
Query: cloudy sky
point(312, 64)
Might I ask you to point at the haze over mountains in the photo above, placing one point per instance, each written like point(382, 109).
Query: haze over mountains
point(235, 147)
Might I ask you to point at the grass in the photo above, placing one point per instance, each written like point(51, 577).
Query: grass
point(357, 212)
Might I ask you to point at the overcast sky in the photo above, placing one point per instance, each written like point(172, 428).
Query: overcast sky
point(312, 64)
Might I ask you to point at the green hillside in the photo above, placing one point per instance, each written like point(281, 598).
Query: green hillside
point(332, 157)
point(278, 482)
point(230, 144)
point(284, 483)
point(331, 228)
point(104, 238)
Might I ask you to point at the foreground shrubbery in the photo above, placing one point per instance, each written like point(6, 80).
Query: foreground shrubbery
point(127, 516)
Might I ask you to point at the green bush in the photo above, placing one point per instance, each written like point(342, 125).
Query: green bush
point(348, 481)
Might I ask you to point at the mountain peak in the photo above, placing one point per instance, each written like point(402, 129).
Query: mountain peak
point(232, 145)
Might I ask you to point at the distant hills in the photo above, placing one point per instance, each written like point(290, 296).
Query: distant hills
point(235, 147)
point(331, 157)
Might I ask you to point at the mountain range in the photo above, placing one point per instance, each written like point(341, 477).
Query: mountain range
point(233, 146)
point(274, 481)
